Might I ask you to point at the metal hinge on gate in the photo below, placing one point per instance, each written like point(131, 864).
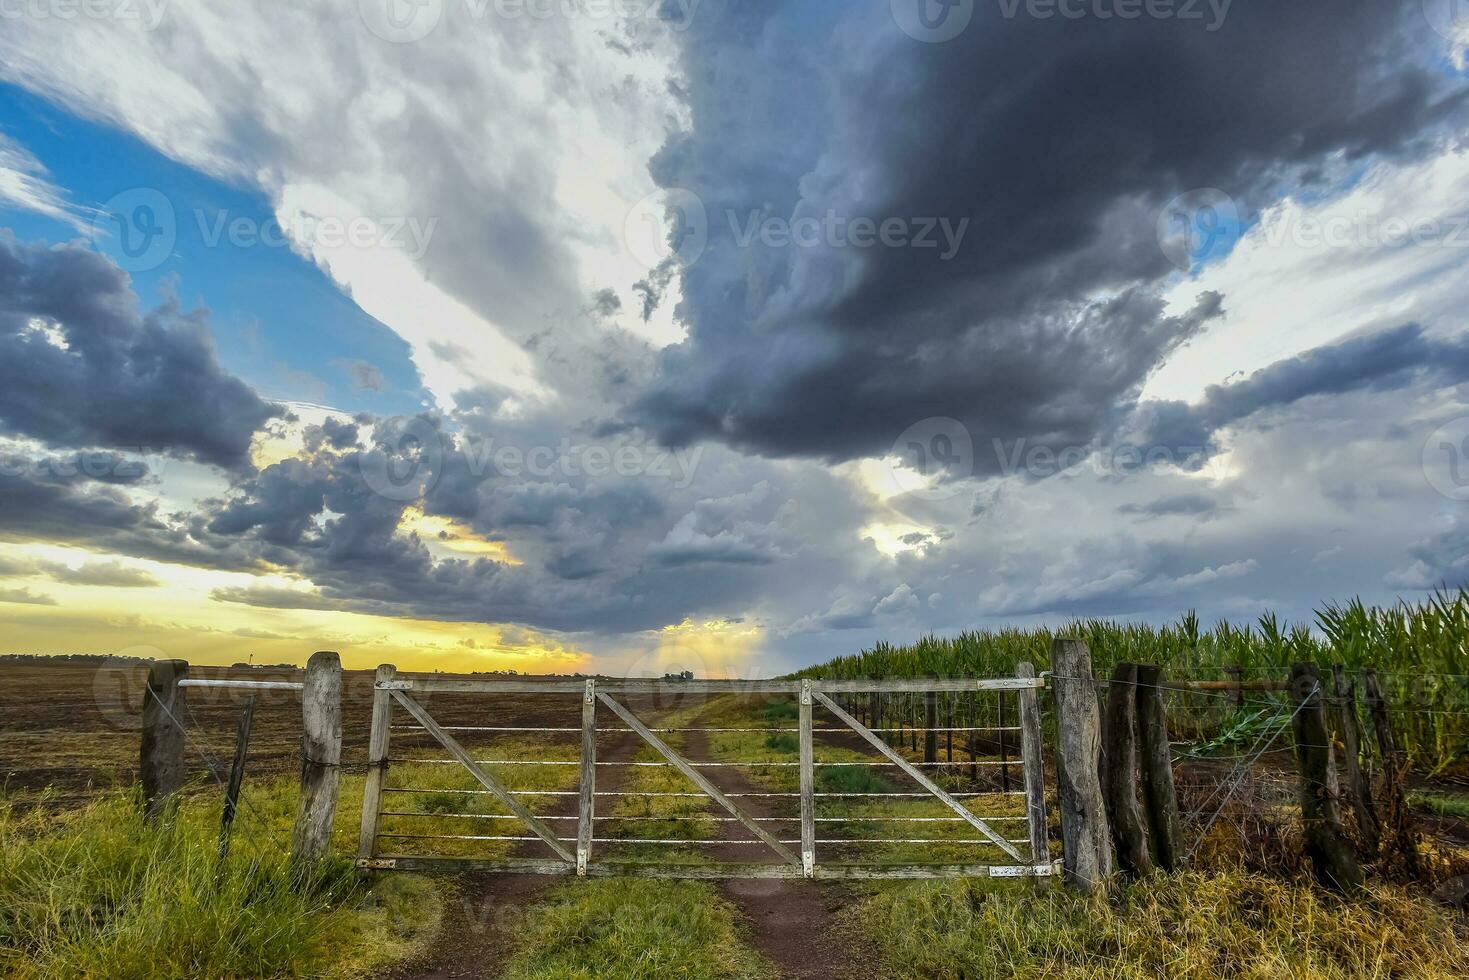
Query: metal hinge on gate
point(376, 864)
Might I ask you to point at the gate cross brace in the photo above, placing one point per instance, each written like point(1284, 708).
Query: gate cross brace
point(922, 780)
point(485, 779)
point(699, 780)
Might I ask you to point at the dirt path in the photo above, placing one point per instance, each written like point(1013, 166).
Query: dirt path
point(484, 913)
point(791, 922)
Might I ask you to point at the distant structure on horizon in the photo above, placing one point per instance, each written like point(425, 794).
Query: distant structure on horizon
point(686, 675)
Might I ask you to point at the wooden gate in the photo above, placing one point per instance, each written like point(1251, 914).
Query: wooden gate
point(790, 857)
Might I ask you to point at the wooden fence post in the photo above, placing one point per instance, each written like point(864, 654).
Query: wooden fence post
point(1086, 840)
point(1397, 820)
point(161, 758)
point(1237, 693)
point(1155, 755)
point(377, 762)
point(1355, 780)
point(1326, 842)
point(1129, 830)
point(321, 756)
point(1035, 771)
point(587, 808)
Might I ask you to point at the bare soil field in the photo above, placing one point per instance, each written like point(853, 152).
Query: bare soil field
point(75, 728)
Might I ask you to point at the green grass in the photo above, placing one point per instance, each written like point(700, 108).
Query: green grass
point(635, 930)
point(1443, 804)
point(1189, 927)
point(93, 892)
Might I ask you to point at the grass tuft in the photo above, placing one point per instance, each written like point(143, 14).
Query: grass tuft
point(635, 930)
point(1190, 926)
point(93, 892)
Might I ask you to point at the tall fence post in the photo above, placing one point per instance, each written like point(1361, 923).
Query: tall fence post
point(1397, 820)
point(1035, 771)
point(1155, 756)
point(1351, 738)
point(321, 757)
point(1086, 840)
point(587, 807)
point(1326, 842)
point(1129, 831)
point(808, 784)
point(161, 757)
point(377, 762)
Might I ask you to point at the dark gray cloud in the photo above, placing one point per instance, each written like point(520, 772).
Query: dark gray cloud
point(1180, 505)
point(1057, 141)
point(1383, 361)
point(81, 366)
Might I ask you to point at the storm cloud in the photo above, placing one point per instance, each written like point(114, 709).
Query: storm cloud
point(81, 366)
point(1056, 144)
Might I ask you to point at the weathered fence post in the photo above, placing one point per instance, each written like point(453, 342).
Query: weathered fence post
point(930, 727)
point(587, 808)
point(1397, 820)
point(1086, 840)
point(1155, 755)
point(1355, 779)
point(1035, 771)
point(1129, 831)
point(237, 777)
point(161, 758)
point(321, 756)
point(1236, 693)
point(1326, 842)
point(377, 761)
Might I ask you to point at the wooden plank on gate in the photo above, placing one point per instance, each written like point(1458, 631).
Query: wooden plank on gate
point(377, 761)
point(586, 813)
point(808, 785)
point(698, 779)
point(485, 779)
point(918, 777)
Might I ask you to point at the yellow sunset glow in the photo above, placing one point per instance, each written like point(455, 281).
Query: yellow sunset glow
point(443, 535)
point(187, 616)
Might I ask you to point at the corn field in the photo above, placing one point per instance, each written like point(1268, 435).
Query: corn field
point(1421, 654)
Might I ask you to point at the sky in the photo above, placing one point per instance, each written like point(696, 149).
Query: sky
point(723, 335)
